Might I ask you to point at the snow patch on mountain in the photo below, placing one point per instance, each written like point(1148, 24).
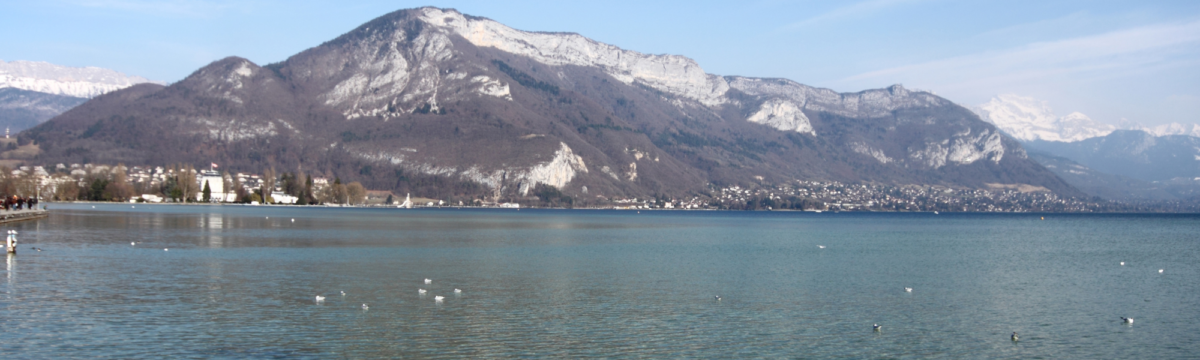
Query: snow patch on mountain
point(85, 82)
point(1029, 119)
point(862, 148)
point(1167, 129)
point(492, 87)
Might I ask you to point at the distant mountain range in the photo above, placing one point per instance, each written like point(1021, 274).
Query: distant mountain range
point(1136, 163)
point(23, 109)
point(33, 92)
point(1028, 119)
point(1132, 153)
point(433, 100)
point(44, 77)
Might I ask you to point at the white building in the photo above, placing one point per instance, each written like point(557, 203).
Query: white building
point(216, 187)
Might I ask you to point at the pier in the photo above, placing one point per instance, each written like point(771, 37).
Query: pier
point(22, 215)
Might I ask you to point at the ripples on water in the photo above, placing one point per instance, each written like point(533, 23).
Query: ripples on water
point(237, 284)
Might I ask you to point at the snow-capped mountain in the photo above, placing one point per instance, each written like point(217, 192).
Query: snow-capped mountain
point(1165, 129)
point(1029, 119)
point(85, 82)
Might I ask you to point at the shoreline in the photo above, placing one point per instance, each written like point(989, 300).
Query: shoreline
point(941, 212)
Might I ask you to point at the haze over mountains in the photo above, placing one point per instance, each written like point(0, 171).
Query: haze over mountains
point(431, 98)
point(1136, 163)
point(33, 92)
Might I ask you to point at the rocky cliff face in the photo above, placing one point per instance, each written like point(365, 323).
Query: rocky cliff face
point(426, 94)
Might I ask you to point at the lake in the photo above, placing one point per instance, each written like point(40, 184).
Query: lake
point(241, 282)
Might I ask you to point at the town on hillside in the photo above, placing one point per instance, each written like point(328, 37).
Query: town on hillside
point(186, 184)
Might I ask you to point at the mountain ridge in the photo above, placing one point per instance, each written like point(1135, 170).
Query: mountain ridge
point(85, 82)
point(406, 98)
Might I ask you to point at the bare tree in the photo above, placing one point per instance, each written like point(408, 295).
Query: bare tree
point(185, 180)
point(227, 183)
point(268, 184)
point(355, 193)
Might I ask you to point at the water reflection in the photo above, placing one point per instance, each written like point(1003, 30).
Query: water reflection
point(214, 226)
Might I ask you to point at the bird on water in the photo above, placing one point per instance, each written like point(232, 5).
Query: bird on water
point(876, 327)
point(1127, 320)
point(718, 297)
point(1015, 337)
point(427, 281)
point(420, 291)
point(365, 307)
point(320, 298)
point(907, 289)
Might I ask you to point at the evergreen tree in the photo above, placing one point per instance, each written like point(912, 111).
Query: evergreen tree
point(207, 192)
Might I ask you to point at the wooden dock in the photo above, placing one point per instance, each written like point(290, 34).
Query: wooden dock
point(21, 215)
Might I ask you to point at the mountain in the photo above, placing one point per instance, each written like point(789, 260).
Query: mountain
point(1168, 129)
point(1113, 187)
point(449, 104)
point(1028, 119)
point(1133, 154)
point(22, 109)
point(33, 92)
point(85, 82)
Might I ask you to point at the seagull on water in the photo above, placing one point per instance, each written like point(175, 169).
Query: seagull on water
point(365, 307)
point(1122, 263)
point(132, 243)
point(1160, 271)
point(343, 293)
point(718, 297)
point(438, 298)
point(427, 281)
point(166, 249)
point(1015, 337)
point(420, 291)
point(876, 327)
point(907, 289)
point(457, 291)
point(821, 246)
point(320, 298)
point(1127, 320)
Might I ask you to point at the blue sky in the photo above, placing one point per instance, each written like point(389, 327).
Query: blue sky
point(1107, 59)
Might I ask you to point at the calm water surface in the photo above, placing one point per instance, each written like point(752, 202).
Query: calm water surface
point(240, 282)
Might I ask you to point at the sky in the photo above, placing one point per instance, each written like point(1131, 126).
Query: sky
point(1111, 60)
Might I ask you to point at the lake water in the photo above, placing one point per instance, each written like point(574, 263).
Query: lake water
point(240, 282)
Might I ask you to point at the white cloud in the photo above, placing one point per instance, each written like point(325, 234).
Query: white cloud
point(846, 12)
point(191, 8)
point(1113, 53)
